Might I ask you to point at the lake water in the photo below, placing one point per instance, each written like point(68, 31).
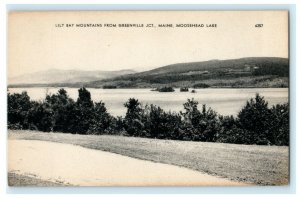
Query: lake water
point(224, 101)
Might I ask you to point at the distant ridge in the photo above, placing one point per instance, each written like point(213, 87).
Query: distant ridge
point(217, 64)
point(242, 72)
point(232, 73)
point(65, 76)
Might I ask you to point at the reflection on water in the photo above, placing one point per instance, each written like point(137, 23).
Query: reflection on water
point(224, 101)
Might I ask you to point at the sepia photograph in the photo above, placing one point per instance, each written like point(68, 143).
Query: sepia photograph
point(148, 98)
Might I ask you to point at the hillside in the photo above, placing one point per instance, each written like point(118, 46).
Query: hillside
point(235, 73)
point(65, 76)
point(221, 65)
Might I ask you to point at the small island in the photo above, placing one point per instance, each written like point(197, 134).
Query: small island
point(164, 89)
point(184, 89)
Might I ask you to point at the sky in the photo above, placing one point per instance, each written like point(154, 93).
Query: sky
point(41, 40)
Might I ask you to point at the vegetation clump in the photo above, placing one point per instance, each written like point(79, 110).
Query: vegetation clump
point(166, 89)
point(201, 85)
point(184, 89)
point(109, 87)
point(256, 123)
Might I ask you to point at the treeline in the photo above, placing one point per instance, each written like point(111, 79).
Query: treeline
point(276, 69)
point(256, 123)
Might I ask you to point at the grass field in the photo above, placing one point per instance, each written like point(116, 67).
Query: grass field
point(261, 165)
point(22, 180)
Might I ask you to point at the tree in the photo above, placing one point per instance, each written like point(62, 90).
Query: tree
point(161, 124)
point(18, 106)
point(100, 119)
point(280, 124)
point(133, 120)
point(255, 119)
point(200, 125)
point(83, 111)
point(41, 117)
point(230, 132)
point(84, 98)
point(60, 105)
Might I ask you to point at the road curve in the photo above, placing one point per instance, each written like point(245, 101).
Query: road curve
point(75, 165)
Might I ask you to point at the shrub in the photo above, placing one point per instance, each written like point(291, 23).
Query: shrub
point(41, 117)
point(255, 123)
point(100, 120)
point(83, 111)
point(200, 125)
point(255, 118)
point(60, 108)
point(161, 124)
point(16, 126)
point(229, 131)
point(133, 120)
point(280, 124)
point(18, 106)
point(117, 126)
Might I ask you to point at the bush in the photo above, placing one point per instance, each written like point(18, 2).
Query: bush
point(161, 124)
point(100, 120)
point(58, 112)
point(256, 123)
point(133, 120)
point(61, 108)
point(117, 126)
point(16, 126)
point(255, 118)
point(280, 124)
point(83, 111)
point(230, 132)
point(18, 106)
point(200, 125)
point(41, 117)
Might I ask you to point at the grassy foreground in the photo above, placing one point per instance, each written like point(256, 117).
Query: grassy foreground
point(22, 180)
point(262, 165)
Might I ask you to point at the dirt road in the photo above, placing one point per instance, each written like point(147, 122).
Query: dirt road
point(75, 165)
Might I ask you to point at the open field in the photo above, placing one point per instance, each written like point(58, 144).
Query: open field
point(262, 165)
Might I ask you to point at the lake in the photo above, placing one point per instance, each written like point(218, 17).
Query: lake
point(224, 101)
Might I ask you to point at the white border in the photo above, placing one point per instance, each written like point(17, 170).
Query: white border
point(3, 95)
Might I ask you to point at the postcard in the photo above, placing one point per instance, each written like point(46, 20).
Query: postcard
point(148, 98)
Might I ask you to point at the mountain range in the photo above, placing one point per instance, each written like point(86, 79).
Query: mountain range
point(53, 76)
point(242, 72)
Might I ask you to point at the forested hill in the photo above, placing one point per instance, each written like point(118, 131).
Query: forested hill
point(243, 72)
point(270, 65)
